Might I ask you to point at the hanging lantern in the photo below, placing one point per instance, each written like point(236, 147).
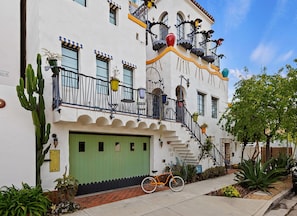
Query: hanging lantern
point(180, 103)
point(195, 116)
point(141, 93)
point(164, 98)
point(114, 83)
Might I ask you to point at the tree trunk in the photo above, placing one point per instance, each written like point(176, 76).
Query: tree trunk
point(268, 153)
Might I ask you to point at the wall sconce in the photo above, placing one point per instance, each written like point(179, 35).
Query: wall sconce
point(160, 142)
point(180, 103)
point(164, 98)
point(55, 138)
point(141, 93)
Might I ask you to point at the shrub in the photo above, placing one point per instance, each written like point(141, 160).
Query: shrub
point(187, 172)
point(213, 172)
point(65, 207)
point(67, 187)
point(23, 202)
point(283, 161)
point(230, 191)
point(253, 175)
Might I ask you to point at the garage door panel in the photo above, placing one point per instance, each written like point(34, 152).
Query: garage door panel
point(107, 157)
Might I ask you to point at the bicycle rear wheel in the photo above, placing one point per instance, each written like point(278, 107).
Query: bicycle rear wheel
point(148, 184)
point(176, 183)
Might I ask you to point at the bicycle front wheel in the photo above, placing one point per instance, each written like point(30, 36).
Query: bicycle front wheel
point(176, 183)
point(149, 184)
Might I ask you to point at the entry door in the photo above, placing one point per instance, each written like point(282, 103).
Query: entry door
point(227, 154)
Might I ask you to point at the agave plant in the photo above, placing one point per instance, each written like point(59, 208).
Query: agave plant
point(254, 175)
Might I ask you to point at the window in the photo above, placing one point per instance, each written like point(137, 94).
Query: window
point(117, 147)
point(81, 146)
point(113, 16)
point(82, 2)
point(163, 28)
point(181, 28)
point(193, 36)
point(214, 107)
point(128, 83)
point(201, 102)
point(101, 146)
point(102, 74)
point(70, 63)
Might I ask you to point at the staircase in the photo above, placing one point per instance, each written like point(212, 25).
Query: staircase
point(194, 136)
point(182, 149)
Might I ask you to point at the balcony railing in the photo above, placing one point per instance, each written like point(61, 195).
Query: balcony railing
point(79, 90)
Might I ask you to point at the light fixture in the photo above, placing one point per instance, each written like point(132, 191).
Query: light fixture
point(164, 98)
point(141, 93)
point(55, 139)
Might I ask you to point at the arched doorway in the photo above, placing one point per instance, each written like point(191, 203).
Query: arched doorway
point(157, 104)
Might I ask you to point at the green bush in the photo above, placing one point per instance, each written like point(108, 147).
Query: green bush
point(25, 201)
point(213, 172)
point(283, 161)
point(187, 172)
point(253, 175)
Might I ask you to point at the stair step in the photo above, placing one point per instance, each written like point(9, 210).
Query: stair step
point(171, 137)
point(180, 148)
point(174, 142)
point(186, 153)
point(188, 156)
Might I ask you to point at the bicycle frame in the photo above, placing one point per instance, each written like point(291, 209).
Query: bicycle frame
point(159, 182)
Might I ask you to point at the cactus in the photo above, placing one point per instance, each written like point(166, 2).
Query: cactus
point(33, 101)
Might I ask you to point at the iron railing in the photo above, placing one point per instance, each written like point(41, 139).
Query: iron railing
point(79, 90)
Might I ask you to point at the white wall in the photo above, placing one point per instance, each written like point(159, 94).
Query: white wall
point(17, 145)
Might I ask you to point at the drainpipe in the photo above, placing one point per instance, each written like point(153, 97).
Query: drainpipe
point(23, 34)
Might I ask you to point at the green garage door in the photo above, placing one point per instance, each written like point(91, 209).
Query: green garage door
point(101, 157)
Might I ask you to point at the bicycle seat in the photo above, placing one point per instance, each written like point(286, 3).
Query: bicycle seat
point(154, 171)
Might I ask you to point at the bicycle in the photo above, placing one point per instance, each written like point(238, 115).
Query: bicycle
point(149, 184)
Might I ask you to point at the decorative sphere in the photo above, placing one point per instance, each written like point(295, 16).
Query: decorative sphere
point(225, 72)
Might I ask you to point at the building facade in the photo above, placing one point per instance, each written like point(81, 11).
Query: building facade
point(168, 68)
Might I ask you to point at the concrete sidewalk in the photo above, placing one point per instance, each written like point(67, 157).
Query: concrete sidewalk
point(190, 201)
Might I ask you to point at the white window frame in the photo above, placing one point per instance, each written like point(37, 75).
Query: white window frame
point(81, 2)
point(214, 107)
point(128, 83)
point(70, 63)
point(180, 29)
point(102, 75)
point(113, 15)
point(201, 103)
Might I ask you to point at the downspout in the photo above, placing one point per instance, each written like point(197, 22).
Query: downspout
point(23, 34)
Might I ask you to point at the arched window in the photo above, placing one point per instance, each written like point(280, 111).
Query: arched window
point(180, 28)
point(163, 28)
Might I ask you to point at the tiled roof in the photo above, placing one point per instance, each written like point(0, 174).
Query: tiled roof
point(203, 10)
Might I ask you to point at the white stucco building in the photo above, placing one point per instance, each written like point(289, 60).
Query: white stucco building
point(105, 135)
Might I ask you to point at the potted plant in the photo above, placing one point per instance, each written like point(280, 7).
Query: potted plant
point(195, 116)
point(203, 128)
point(114, 81)
point(67, 187)
point(52, 59)
point(207, 145)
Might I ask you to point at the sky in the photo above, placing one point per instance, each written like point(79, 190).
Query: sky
point(257, 34)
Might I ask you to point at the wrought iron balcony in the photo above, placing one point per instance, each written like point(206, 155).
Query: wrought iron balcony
point(81, 91)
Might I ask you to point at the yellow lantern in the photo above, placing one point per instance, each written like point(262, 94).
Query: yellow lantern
point(114, 83)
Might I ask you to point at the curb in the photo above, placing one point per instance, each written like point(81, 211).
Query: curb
point(277, 199)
